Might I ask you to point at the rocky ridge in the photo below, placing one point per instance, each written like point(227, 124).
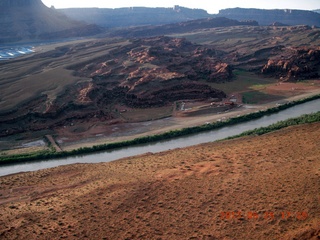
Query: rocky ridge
point(150, 72)
point(294, 64)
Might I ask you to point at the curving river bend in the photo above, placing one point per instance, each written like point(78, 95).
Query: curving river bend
point(210, 136)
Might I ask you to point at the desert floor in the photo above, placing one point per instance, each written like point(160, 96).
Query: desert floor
point(257, 187)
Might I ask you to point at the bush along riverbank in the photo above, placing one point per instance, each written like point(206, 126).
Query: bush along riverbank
point(306, 118)
point(49, 154)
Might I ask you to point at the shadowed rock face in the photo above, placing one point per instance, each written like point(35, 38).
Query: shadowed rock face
point(29, 20)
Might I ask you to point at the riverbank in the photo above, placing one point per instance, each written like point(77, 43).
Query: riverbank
point(130, 131)
point(255, 187)
point(153, 138)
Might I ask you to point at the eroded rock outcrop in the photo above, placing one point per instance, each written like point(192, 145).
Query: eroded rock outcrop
point(299, 64)
point(155, 72)
point(145, 73)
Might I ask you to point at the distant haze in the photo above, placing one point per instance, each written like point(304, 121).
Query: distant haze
point(210, 6)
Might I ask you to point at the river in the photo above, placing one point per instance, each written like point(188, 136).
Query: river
point(210, 136)
point(15, 51)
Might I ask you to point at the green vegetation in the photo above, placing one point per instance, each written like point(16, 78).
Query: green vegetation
point(139, 115)
point(255, 97)
point(243, 81)
point(307, 118)
point(176, 133)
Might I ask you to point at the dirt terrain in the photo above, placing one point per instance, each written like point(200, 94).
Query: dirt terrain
point(264, 187)
point(92, 88)
point(135, 74)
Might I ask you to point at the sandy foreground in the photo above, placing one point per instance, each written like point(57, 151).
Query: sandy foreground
point(258, 187)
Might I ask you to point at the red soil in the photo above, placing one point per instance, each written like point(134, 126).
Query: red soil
point(264, 187)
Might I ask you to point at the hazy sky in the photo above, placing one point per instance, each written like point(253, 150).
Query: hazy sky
point(210, 6)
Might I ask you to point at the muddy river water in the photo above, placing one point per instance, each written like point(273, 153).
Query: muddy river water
point(210, 136)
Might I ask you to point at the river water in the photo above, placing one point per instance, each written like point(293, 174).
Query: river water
point(210, 136)
point(14, 51)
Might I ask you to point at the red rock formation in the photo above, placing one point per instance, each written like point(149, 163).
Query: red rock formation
point(149, 72)
point(302, 63)
point(157, 71)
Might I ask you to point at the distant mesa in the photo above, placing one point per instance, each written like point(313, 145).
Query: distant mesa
point(134, 16)
point(31, 20)
point(268, 17)
point(188, 26)
point(142, 16)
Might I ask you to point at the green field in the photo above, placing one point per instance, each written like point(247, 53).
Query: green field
point(140, 115)
point(243, 81)
point(256, 97)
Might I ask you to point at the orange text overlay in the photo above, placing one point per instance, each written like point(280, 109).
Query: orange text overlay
point(251, 215)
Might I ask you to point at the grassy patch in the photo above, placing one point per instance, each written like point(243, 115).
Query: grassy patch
point(139, 115)
point(243, 81)
point(256, 97)
point(259, 87)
